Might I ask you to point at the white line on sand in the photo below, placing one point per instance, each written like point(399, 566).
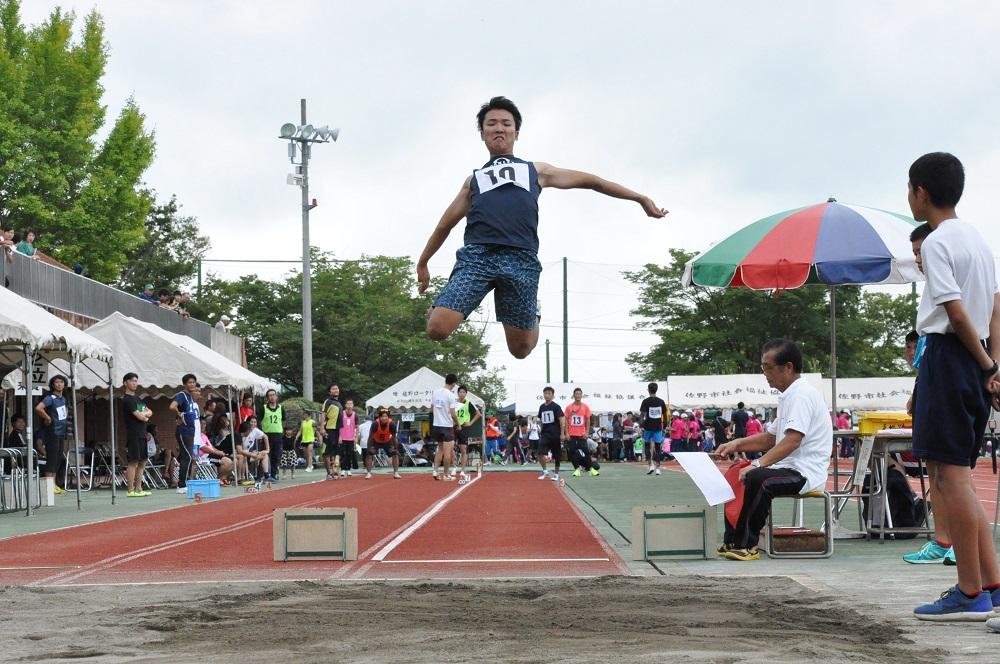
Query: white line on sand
point(18, 569)
point(428, 515)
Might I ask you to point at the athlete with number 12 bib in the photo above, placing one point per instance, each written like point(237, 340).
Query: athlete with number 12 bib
point(500, 204)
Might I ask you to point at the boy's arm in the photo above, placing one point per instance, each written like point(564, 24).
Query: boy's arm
point(563, 178)
point(457, 211)
point(40, 409)
point(959, 319)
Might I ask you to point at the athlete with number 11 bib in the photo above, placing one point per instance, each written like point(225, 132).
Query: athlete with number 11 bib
point(500, 204)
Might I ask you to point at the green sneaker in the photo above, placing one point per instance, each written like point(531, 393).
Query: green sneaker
point(949, 558)
point(594, 472)
point(145, 493)
point(932, 552)
point(133, 494)
point(576, 473)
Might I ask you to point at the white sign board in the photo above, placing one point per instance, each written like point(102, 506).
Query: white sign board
point(601, 397)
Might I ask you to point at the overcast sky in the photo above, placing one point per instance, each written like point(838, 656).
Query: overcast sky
point(722, 112)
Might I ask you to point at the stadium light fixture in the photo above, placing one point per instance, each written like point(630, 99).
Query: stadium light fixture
point(304, 134)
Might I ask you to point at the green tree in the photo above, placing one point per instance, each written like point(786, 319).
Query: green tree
point(488, 386)
point(171, 248)
point(720, 331)
point(368, 327)
point(85, 200)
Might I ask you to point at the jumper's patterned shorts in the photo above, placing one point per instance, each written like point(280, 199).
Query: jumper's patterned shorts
point(511, 273)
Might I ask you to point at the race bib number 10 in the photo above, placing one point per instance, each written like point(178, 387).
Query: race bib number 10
point(499, 174)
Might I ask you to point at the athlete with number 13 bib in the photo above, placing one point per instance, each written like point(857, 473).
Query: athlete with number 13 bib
point(500, 204)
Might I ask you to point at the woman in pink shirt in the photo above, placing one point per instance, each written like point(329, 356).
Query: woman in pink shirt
point(348, 433)
point(678, 434)
point(754, 426)
point(694, 435)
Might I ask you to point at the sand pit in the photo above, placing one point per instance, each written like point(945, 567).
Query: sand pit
point(673, 619)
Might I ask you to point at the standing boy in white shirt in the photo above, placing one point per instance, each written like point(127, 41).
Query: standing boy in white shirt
point(444, 422)
point(959, 314)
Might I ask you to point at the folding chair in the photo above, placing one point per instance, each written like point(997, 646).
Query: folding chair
point(85, 456)
point(13, 482)
point(102, 468)
point(852, 490)
point(152, 475)
point(412, 458)
point(205, 470)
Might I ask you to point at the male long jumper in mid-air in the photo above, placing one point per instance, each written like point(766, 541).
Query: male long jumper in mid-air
point(500, 204)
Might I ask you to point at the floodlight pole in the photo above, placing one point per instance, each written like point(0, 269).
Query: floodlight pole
point(307, 341)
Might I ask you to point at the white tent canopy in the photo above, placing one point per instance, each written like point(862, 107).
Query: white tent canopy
point(413, 393)
point(678, 391)
point(23, 323)
point(161, 358)
point(30, 339)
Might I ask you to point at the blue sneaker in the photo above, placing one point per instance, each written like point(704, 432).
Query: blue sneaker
point(949, 558)
point(955, 606)
point(995, 596)
point(932, 552)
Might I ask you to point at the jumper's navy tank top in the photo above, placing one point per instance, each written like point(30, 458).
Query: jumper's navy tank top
point(504, 206)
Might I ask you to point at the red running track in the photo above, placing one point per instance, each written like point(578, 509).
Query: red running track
point(501, 525)
point(231, 540)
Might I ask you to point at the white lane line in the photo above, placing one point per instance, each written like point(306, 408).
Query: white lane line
point(499, 560)
point(428, 515)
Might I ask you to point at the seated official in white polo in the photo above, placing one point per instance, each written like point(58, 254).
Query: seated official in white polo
point(796, 448)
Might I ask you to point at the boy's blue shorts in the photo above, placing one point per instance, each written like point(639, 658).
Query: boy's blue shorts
point(511, 273)
point(952, 405)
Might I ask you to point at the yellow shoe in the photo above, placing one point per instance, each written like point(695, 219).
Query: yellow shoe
point(143, 494)
point(133, 494)
point(741, 554)
point(59, 490)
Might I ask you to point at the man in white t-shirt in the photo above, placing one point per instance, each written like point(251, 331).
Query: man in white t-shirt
point(958, 377)
point(363, 431)
point(796, 449)
point(443, 425)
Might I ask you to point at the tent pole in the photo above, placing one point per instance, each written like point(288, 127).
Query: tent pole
point(111, 431)
point(29, 416)
point(233, 410)
point(76, 430)
point(833, 351)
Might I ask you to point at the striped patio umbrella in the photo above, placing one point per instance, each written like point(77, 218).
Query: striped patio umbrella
point(830, 244)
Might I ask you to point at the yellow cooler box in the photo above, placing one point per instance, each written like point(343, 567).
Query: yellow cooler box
point(874, 421)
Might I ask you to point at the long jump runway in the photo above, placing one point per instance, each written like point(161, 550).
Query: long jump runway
point(499, 525)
